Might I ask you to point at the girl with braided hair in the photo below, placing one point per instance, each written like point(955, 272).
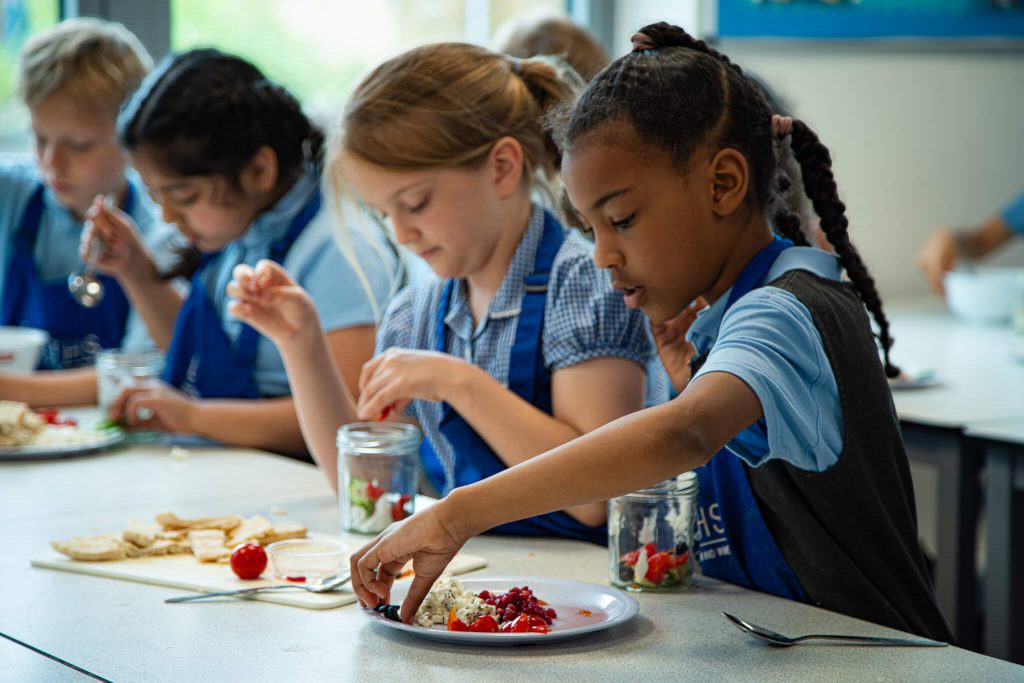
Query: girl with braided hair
point(235, 164)
point(784, 411)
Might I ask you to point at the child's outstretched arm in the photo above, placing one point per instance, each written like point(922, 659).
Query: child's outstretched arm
point(126, 258)
point(635, 451)
point(583, 396)
point(267, 298)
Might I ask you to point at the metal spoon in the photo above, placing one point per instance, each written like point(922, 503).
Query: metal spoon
point(85, 287)
point(780, 640)
point(326, 586)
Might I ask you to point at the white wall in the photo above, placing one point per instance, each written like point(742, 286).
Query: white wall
point(919, 137)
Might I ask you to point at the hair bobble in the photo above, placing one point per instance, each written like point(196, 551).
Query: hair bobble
point(641, 41)
point(517, 66)
point(782, 126)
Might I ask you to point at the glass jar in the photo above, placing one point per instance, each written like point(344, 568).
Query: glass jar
point(650, 534)
point(117, 370)
point(378, 471)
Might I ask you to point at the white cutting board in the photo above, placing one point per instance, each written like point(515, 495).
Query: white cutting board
point(185, 572)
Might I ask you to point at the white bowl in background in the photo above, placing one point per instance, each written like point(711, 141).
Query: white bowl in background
point(20, 348)
point(984, 295)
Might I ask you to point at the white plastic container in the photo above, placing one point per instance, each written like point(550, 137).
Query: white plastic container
point(20, 348)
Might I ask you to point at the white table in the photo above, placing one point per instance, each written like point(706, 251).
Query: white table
point(1002, 442)
point(980, 381)
point(124, 631)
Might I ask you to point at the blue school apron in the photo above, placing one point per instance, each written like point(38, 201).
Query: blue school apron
point(734, 542)
point(528, 379)
point(201, 359)
point(76, 333)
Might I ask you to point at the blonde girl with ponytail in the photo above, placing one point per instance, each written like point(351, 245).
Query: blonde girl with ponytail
point(519, 344)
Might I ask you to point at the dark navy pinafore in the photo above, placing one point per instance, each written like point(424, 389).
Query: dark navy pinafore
point(529, 379)
point(76, 333)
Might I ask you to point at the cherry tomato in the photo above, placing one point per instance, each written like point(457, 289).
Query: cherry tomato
point(372, 491)
point(248, 561)
point(399, 511)
point(485, 624)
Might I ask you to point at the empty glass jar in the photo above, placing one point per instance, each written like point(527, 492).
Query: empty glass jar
point(650, 536)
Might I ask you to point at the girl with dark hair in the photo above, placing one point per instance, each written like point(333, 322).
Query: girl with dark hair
point(235, 164)
point(783, 406)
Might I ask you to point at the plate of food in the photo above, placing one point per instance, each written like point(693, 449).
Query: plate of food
point(27, 434)
point(509, 610)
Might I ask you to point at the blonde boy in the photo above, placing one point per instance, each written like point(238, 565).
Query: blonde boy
point(73, 78)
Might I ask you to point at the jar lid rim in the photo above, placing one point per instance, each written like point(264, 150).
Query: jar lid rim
point(682, 483)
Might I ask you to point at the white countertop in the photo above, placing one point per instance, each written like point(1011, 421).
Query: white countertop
point(980, 379)
point(124, 631)
point(1009, 431)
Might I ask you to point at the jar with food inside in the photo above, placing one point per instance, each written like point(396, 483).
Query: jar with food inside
point(650, 533)
point(378, 470)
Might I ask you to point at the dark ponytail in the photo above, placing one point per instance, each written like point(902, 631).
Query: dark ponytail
point(204, 112)
point(681, 95)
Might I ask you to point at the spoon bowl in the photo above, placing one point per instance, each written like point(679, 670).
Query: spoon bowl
point(85, 287)
point(779, 640)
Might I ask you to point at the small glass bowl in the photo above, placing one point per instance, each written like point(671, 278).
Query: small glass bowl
point(307, 560)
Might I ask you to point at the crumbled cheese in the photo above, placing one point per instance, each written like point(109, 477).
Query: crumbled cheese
point(446, 593)
point(178, 453)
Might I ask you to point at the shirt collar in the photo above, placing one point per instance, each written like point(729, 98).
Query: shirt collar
point(508, 299)
point(273, 223)
point(704, 330)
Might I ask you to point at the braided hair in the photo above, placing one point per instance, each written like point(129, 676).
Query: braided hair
point(204, 112)
point(682, 95)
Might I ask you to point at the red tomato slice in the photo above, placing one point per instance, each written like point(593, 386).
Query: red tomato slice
point(485, 624)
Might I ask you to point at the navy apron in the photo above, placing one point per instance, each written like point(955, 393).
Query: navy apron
point(528, 379)
point(201, 360)
point(76, 333)
point(732, 539)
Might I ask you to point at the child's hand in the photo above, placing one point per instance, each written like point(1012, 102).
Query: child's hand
point(674, 350)
point(389, 382)
point(123, 254)
point(426, 539)
point(267, 298)
point(155, 406)
point(938, 257)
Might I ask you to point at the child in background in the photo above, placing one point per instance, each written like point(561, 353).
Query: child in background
point(946, 246)
point(73, 77)
point(542, 33)
point(519, 344)
point(235, 164)
point(668, 156)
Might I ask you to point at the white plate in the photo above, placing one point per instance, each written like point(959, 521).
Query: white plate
point(610, 607)
point(912, 377)
point(104, 439)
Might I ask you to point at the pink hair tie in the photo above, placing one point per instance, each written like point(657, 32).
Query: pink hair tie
point(642, 41)
point(781, 126)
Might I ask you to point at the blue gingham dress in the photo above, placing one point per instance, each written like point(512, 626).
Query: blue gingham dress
point(584, 318)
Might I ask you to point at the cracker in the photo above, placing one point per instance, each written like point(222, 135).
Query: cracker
point(208, 544)
point(93, 548)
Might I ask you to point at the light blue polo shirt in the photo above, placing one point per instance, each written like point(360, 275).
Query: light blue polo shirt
point(316, 263)
point(584, 318)
point(56, 249)
point(768, 340)
point(1013, 214)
